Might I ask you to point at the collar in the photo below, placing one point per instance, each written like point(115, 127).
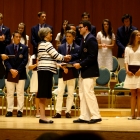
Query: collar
point(69, 44)
point(41, 25)
point(127, 27)
point(85, 35)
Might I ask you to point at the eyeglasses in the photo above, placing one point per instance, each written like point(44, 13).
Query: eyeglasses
point(80, 28)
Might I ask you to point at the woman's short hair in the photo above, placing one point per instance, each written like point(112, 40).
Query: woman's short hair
point(43, 32)
point(72, 32)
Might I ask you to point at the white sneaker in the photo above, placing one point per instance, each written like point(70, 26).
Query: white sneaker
point(37, 116)
point(138, 118)
point(131, 118)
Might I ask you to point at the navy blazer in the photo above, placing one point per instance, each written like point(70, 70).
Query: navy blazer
point(19, 62)
point(35, 38)
point(3, 44)
point(74, 54)
point(2, 69)
point(122, 38)
point(88, 57)
point(79, 37)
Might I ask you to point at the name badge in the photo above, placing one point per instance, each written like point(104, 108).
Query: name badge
point(20, 56)
point(85, 49)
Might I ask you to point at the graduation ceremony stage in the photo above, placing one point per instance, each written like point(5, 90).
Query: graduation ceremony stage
point(114, 127)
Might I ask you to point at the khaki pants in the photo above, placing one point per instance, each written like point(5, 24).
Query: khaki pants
point(10, 95)
point(88, 102)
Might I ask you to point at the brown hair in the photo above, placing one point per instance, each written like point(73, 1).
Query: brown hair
point(40, 13)
point(85, 14)
point(24, 31)
point(110, 30)
point(15, 32)
point(132, 37)
point(72, 32)
point(1, 16)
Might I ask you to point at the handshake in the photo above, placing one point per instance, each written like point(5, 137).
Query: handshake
point(67, 58)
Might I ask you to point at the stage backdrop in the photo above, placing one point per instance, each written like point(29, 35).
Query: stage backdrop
point(16, 11)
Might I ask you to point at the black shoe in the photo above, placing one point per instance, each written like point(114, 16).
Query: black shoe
point(73, 107)
point(9, 114)
point(120, 94)
point(19, 114)
point(94, 121)
point(57, 115)
point(44, 121)
point(80, 121)
point(68, 115)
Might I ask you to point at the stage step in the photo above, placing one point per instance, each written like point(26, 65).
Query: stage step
point(105, 112)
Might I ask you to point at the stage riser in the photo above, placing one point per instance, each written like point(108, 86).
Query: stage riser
point(11, 134)
point(121, 102)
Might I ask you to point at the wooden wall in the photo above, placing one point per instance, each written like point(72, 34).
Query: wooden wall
point(16, 11)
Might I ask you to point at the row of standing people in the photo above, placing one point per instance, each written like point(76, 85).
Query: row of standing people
point(106, 37)
point(126, 18)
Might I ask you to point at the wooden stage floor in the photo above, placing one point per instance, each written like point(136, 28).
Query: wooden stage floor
point(28, 128)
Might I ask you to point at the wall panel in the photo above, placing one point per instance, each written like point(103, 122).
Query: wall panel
point(133, 7)
point(13, 13)
point(31, 8)
point(72, 10)
point(1, 6)
point(58, 10)
point(48, 6)
point(58, 18)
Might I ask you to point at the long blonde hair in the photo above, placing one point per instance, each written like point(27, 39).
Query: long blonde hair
point(132, 37)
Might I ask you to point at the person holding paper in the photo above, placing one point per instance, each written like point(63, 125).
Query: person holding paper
point(67, 75)
point(15, 67)
point(89, 71)
point(132, 66)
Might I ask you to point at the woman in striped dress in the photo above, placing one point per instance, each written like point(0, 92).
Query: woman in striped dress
point(47, 57)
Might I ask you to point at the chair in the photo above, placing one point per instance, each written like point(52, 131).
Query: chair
point(30, 73)
point(2, 93)
point(26, 92)
point(103, 83)
point(119, 86)
point(114, 71)
point(55, 80)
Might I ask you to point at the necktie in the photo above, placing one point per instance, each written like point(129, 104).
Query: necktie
point(15, 50)
point(126, 30)
point(68, 52)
